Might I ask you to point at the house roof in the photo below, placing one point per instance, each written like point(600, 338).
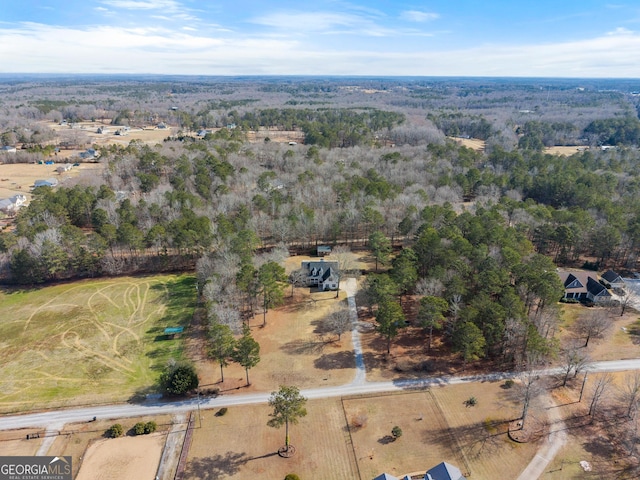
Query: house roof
point(611, 276)
point(595, 288)
point(444, 471)
point(320, 264)
point(50, 182)
point(575, 282)
point(385, 476)
point(580, 282)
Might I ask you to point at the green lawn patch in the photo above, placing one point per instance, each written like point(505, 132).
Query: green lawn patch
point(90, 341)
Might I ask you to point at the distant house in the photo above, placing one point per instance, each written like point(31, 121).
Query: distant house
point(323, 250)
point(12, 204)
point(50, 182)
point(103, 130)
point(64, 168)
point(322, 274)
point(89, 153)
point(161, 126)
point(612, 279)
point(442, 471)
point(8, 149)
point(583, 286)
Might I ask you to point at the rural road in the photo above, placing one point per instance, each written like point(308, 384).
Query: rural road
point(57, 417)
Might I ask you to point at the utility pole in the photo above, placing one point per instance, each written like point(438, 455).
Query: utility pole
point(584, 381)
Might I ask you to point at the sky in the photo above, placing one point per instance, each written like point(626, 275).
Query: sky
point(528, 38)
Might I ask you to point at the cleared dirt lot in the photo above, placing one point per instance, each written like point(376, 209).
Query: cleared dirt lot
point(435, 423)
point(126, 457)
point(18, 178)
point(241, 445)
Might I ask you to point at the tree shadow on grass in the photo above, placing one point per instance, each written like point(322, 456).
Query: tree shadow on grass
point(304, 347)
point(217, 466)
point(335, 361)
point(386, 440)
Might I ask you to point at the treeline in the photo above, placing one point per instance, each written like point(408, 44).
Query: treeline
point(185, 197)
point(328, 128)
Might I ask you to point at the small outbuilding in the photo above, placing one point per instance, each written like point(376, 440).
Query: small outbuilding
point(49, 182)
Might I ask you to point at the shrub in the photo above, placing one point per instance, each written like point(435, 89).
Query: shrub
point(221, 412)
point(138, 428)
point(292, 476)
point(471, 402)
point(115, 431)
point(396, 432)
point(179, 378)
point(150, 427)
point(509, 383)
point(359, 421)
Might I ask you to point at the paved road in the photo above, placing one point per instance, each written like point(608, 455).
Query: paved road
point(58, 417)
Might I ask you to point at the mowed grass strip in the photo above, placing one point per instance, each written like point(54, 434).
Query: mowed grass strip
point(89, 341)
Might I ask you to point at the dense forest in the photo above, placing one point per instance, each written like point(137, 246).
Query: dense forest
point(482, 230)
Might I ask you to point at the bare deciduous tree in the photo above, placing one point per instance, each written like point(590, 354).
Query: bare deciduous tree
point(630, 392)
point(575, 360)
point(599, 390)
point(593, 325)
point(339, 322)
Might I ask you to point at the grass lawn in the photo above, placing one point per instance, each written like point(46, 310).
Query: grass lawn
point(91, 341)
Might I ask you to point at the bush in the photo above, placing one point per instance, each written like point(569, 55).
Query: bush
point(138, 428)
point(359, 421)
point(292, 476)
point(471, 402)
point(221, 412)
point(115, 431)
point(509, 383)
point(179, 378)
point(396, 432)
point(150, 427)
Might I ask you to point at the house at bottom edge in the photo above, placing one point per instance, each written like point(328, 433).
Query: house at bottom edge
point(442, 471)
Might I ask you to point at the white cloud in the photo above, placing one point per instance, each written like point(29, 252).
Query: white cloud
point(32, 47)
point(143, 4)
point(418, 16)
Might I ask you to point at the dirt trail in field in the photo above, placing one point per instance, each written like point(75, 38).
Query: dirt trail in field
point(555, 441)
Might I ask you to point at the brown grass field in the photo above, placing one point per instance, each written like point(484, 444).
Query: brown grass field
point(436, 427)
point(18, 178)
point(126, 457)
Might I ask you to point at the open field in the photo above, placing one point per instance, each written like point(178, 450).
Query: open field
point(126, 457)
point(92, 341)
point(18, 178)
point(150, 135)
point(329, 446)
point(241, 445)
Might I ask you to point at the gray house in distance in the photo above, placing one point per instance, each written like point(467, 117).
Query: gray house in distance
point(322, 274)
